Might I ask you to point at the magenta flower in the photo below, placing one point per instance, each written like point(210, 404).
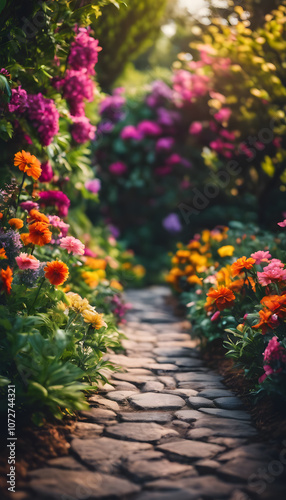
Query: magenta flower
point(93, 186)
point(72, 245)
point(165, 143)
point(130, 132)
point(117, 168)
point(195, 128)
point(44, 116)
point(215, 316)
point(18, 100)
point(82, 130)
point(29, 205)
point(26, 261)
point(84, 51)
point(261, 256)
point(223, 115)
point(57, 199)
point(165, 170)
point(146, 127)
point(47, 172)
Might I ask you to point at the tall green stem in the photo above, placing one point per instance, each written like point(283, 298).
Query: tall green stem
point(37, 295)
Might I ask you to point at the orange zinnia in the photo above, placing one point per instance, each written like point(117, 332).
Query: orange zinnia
point(6, 276)
point(3, 253)
point(36, 216)
point(241, 265)
point(28, 163)
point(276, 304)
point(266, 321)
point(39, 234)
point(56, 272)
point(16, 223)
point(223, 297)
point(25, 237)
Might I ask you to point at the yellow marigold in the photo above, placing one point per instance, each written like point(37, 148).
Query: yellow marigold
point(115, 284)
point(206, 234)
point(139, 271)
point(94, 318)
point(95, 263)
point(223, 276)
point(226, 251)
point(92, 278)
point(194, 280)
point(194, 245)
point(77, 303)
point(16, 223)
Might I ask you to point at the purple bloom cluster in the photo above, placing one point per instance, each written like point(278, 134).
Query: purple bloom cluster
point(160, 93)
point(44, 116)
point(172, 223)
point(19, 100)
point(57, 199)
point(82, 130)
point(11, 242)
point(119, 308)
point(84, 51)
point(76, 86)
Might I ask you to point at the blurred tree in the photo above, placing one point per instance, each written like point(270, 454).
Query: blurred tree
point(125, 33)
point(257, 9)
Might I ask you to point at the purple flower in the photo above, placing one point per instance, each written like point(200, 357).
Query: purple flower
point(172, 223)
point(11, 242)
point(159, 94)
point(57, 199)
point(84, 52)
point(29, 205)
point(44, 116)
point(166, 117)
point(93, 186)
point(165, 143)
point(47, 172)
point(82, 130)
point(114, 230)
point(111, 106)
point(18, 100)
point(76, 86)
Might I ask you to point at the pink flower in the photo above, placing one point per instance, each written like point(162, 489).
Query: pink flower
point(215, 316)
point(56, 222)
point(56, 199)
point(18, 100)
point(272, 275)
point(72, 245)
point(223, 115)
point(146, 127)
point(26, 261)
point(282, 224)
point(130, 132)
point(261, 256)
point(274, 263)
point(164, 143)
point(44, 116)
point(117, 168)
point(93, 186)
point(84, 51)
point(195, 128)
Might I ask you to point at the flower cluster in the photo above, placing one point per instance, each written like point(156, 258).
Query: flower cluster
point(44, 116)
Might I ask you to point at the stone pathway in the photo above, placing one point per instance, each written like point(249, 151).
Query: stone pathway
point(167, 428)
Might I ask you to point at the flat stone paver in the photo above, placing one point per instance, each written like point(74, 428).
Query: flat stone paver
point(165, 427)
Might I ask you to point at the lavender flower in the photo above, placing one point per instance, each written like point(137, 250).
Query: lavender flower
point(12, 244)
point(172, 223)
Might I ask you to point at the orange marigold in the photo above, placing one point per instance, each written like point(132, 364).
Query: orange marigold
point(39, 234)
point(25, 237)
point(223, 297)
point(16, 223)
point(6, 276)
point(276, 304)
point(3, 253)
point(28, 163)
point(56, 272)
point(36, 216)
point(266, 321)
point(241, 265)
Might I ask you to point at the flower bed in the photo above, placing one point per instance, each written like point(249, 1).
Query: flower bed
point(232, 282)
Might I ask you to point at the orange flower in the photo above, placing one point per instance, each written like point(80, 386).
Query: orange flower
point(25, 237)
point(276, 304)
point(6, 276)
point(1, 215)
point(95, 263)
point(194, 280)
point(241, 265)
point(3, 253)
point(266, 321)
point(56, 272)
point(236, 285)
point(39, 234)
point(28, 163)
point(223, 297)
point(209, 305)
point(36, 216)
point(16, 223)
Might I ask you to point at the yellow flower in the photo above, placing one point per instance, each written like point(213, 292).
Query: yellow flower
point(194, 280)
point(115, 284)
point(95, 263)
point(77, 303)
point(226, 251)
point(92, 278)
point(94, 318)
point(139, 271)
point(126, 265)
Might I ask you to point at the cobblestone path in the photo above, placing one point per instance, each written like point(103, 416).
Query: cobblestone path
point(166, 429)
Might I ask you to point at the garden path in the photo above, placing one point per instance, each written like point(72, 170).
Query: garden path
point(166, 429)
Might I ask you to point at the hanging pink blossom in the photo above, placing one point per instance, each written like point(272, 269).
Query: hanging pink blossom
point(84, 51)
point(47, 172)
point(44, 116)
point(82, 130)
